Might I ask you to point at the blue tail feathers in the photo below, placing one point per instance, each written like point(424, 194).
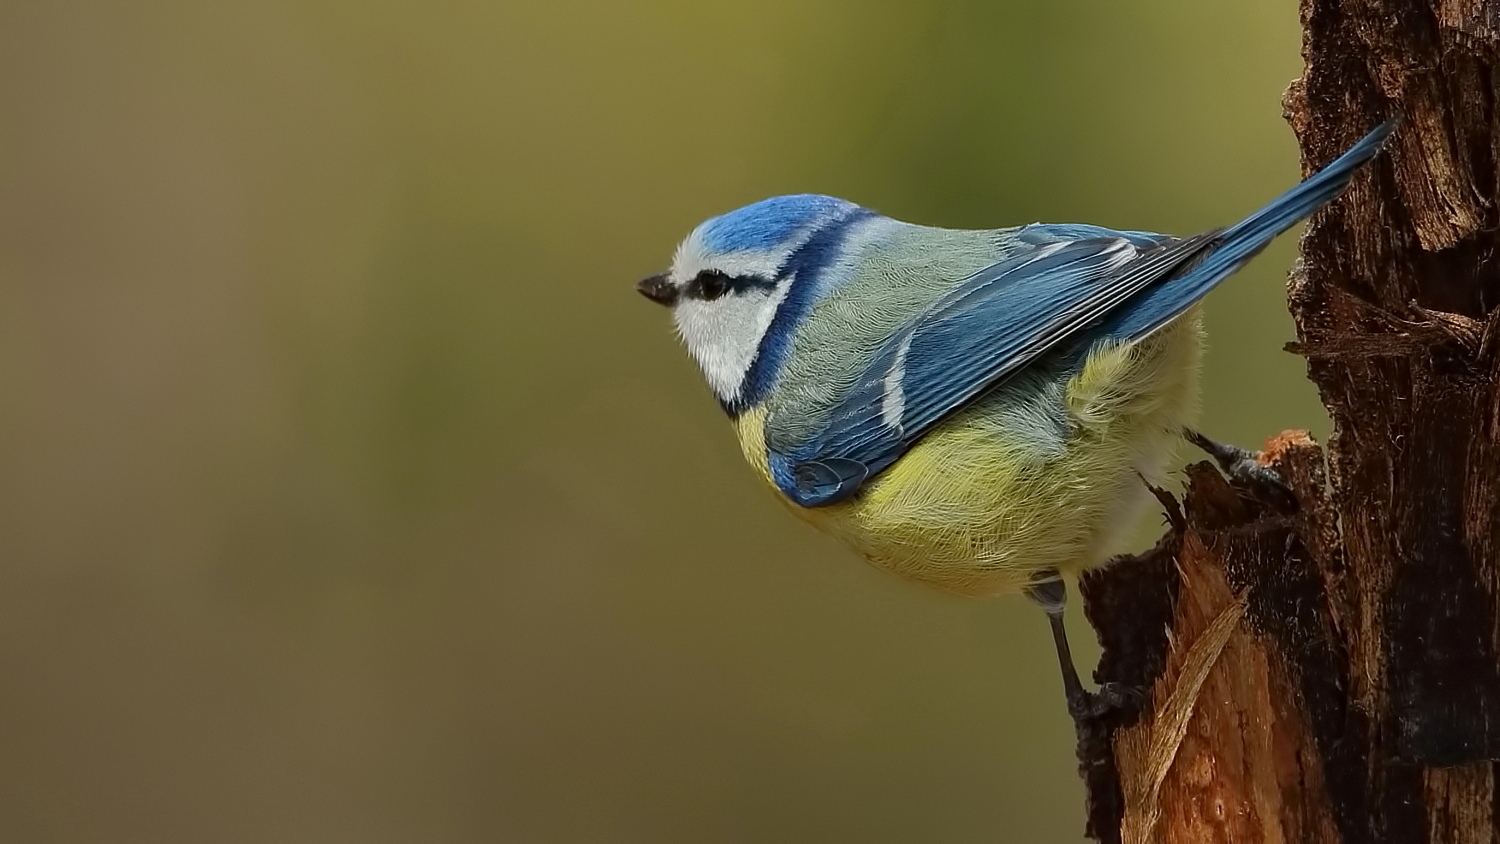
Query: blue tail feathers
point(1241, 241)
point(1283, 212)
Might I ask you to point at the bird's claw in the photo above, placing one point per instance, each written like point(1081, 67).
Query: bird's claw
point(1244, 467)
point(1112, 699)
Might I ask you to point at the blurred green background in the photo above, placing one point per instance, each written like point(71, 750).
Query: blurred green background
point(351, 493)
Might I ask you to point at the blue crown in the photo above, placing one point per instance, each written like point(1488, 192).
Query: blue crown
point(769, 223)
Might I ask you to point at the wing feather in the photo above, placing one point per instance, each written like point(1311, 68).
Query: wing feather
point(986, 329)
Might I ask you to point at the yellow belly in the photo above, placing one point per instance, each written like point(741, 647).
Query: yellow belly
point(975, 510)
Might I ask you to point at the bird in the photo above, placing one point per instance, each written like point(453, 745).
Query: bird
point(977, 410)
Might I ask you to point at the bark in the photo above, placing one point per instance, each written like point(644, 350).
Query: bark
point(1331, 669)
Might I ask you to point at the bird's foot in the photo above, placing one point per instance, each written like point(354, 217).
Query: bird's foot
point(1244, 467)
point(1110, 701)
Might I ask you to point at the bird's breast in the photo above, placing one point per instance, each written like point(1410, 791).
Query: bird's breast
point(991, 496)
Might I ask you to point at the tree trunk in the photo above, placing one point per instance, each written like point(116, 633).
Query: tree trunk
point(1331, 671)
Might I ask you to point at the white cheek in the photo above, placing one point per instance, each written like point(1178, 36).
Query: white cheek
point(723, 335)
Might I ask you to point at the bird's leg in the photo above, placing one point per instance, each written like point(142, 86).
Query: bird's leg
point(1050, 593)
point(1243, 466)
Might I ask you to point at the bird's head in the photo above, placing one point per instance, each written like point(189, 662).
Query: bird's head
point(730, 277)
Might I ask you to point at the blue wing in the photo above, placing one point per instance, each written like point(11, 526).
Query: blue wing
point(987, 328)
point(1074, 282)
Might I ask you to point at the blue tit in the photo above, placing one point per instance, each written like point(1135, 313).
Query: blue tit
point(971, 409)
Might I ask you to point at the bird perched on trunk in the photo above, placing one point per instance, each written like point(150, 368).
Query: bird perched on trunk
point(974, 410)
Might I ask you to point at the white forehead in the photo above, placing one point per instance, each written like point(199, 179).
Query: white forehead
point(693, 257)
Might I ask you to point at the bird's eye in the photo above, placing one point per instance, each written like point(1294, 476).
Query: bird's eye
point(711, 284)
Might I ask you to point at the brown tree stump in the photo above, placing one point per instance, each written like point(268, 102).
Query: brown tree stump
point(1330, 672)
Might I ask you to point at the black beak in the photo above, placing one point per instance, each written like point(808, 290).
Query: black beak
point(658, 289)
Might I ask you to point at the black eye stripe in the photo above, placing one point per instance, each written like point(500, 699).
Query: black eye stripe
point(713, 284)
